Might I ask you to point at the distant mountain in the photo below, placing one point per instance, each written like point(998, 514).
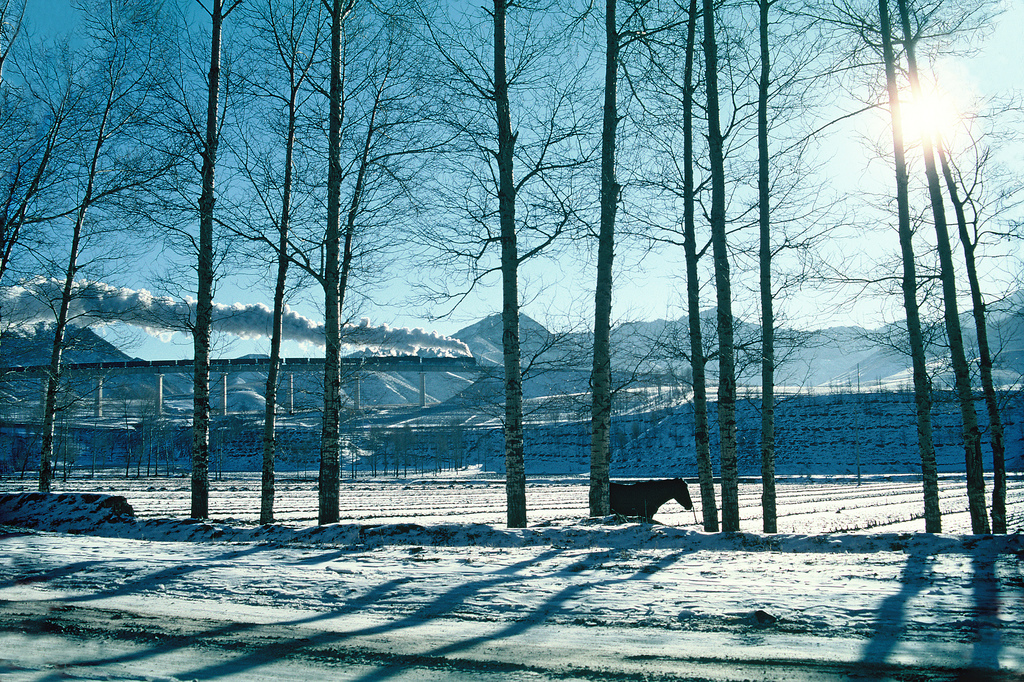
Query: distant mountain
point(832, 357)
point(553, 364)
point(33, 346)
point(484, 338)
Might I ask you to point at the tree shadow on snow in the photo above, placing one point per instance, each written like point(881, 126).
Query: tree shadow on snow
point(443, 604)
point(552, 606)
point(893, 620)
point(272, 651)
point(987, 629)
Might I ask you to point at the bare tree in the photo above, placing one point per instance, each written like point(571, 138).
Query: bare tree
point(378, 130)
point(961, 370)
point(698, 358)
point(964, 194)
point(679, 180)
point(515, 469)
point(330, 439)
point(635, 26)
point(723, 288)
point(530, 97)
point(104, 102)
point(796, 69)
point(769, 518)
point(287, 37)
point(670, 112)
point(374, 134)
point(922, 383)
point(601, 377)
point(201, 328)
point(941, 28)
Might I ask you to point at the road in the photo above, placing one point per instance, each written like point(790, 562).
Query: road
point(79, 607)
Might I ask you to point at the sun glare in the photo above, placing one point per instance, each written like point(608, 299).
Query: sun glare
point(934, 114)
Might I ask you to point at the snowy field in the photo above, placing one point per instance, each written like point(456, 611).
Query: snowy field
point(421, 581)
point(806, 505)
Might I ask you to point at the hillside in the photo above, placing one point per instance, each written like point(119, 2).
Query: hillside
point(828, 358)
point(830, 429)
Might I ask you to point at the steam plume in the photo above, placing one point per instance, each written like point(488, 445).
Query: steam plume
point(99, 303)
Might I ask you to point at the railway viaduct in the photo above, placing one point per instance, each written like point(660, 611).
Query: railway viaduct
point(289, 367)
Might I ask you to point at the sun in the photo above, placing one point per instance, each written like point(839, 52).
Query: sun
point(934, 113)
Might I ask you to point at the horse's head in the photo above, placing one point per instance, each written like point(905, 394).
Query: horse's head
point(682, 493)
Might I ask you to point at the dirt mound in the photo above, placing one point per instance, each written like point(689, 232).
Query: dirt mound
point(64, 512)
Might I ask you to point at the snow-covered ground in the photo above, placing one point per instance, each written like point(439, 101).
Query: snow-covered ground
point(421, 581)
point(810, 505)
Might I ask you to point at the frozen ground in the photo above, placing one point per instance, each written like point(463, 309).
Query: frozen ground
point(819, 504)
point(454, 595)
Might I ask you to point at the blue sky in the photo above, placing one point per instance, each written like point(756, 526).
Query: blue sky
point(557, 293)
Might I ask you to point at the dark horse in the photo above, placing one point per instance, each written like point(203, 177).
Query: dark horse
point(643, 499)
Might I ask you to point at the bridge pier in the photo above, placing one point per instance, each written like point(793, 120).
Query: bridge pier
point(291, 392)
point(224, 393)
point(423, 389)
point(159, 395)
point(99, 397)
point(357, 393)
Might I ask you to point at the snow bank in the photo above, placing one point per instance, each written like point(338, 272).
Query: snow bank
point(66, 512)
point(112, 516)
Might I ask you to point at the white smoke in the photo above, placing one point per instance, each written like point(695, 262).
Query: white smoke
point(34, 302)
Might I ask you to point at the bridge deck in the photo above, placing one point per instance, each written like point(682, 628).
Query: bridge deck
point(389, 363)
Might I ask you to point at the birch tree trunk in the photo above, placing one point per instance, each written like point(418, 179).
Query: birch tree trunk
point(339, 256)
point(515, 467)
point(204, 296)
point(769, 520)
point(330, 436)
point(922, 384)
point(719, 245)
point(995, 421)
point(961, 370)
point(701, 432)
point(267, 483)
point(601, 379)
point(267, 488)
point(46, 473)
